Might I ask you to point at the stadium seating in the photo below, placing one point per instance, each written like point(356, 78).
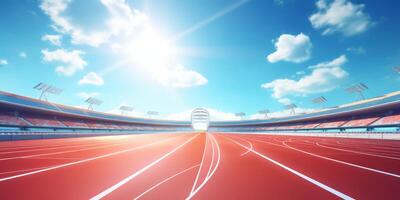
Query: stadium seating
point(38, 120)
point(360, 122)
point(388, 120)
point(35, 114)
point(9, 118)
point(97, 125)
point(73, 123)
point(310, 126)
point(332, 124)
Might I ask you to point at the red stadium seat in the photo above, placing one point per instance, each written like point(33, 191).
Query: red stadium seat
point(9, 118)
point(360, 122)
point(334, 124)
point(388, 120)
point(38, 120)
point(310, 126)
point(73, 123)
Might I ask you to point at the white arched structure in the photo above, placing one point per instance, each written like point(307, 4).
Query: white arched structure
point(200, 119)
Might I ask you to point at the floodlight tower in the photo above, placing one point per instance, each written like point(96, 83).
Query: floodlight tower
point(320, 100)
point(152, 113)
point(93, 101)
point(358, 88)
point(292, 108)
point(125, 109)
point(241, 115)
point(45, 89)
point(264, 112)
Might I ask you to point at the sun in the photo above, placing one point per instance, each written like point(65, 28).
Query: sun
point(150, 50)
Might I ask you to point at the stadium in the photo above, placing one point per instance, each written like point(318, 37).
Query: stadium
point(325, 129)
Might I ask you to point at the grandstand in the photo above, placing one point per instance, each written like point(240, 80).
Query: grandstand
point(19, 114)
point(375, 114)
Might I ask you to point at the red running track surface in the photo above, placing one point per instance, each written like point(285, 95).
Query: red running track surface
point(200, 166)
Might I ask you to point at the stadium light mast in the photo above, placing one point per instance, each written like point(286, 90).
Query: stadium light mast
point(46, 89)
point(241, 115)
point(125, 109)
point(358, 88)
point(320, 100)
point(292, 108)
point(264, 112)
point(152, 113)
point(93, 101)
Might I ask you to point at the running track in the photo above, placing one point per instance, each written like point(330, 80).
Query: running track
point(200, 166)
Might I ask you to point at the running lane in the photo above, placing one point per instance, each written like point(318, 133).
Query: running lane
point(94, 170)
point(200, 166)
point(359, 176)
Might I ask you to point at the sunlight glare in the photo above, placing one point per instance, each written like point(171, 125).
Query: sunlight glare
point(150, 51)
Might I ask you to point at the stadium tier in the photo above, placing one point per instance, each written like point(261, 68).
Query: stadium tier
point(361, 122)
point(19, 113)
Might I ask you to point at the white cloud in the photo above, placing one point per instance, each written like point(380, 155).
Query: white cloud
point(284, 101)
point(91, 79)
point(300, 73)
point(130, 35)
point(339, 61)
point(215, 115)
point(23, 55)
point(291, 48)
point(122, 20)
point(53, 39)
point(179, 77)
point(86, 95)
point(357, 50)
point(72, 60)
point(324, 77)
point(54, 9)
point(340, 16)
point(3, 62)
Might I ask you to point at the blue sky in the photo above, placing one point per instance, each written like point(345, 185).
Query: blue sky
point(226, 55)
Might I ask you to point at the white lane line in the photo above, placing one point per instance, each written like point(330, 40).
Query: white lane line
point(46, 144)
point(192, 194)
point(61, 152)
point(137, 173)
point(343, 162)
point(165, 180)
point(250, 144)
point(212, 159)
point(370, 147)
point(52, 148)
point(262, 141)
point(247, 151)
point(375, 145)
point(22, 170)
point(52, 158)
point(357, 152)
point(315, 182)
point(34, 146)
point(52, 143)
point(201, 165)
point(330, 159)
point(82, 161)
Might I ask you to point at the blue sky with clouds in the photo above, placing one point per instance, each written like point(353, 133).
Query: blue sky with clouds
point(227, 55)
